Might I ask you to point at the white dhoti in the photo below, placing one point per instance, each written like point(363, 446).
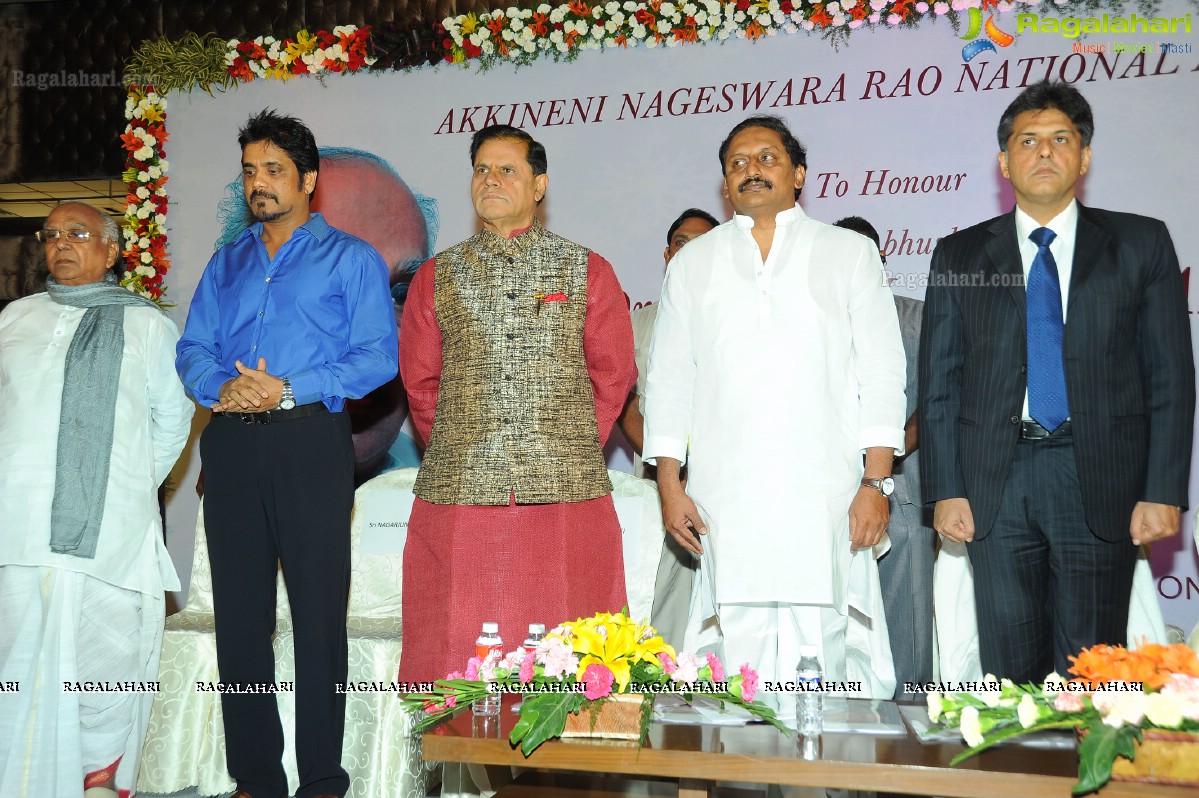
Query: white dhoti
point(76, 657)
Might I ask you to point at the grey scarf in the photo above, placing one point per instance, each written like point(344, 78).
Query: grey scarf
point(89, 404)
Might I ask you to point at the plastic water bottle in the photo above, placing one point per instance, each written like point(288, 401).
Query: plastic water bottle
point(488, 642)
point(809, 701)
point(536, 633)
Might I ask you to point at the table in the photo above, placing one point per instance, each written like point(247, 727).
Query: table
point(698, 756)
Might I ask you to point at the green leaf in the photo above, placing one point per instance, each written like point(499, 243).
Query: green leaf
point(542, 717)
point(1016, 730)
point(1098, 750)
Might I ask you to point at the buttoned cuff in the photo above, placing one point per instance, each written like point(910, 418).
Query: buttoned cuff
point(884, 437)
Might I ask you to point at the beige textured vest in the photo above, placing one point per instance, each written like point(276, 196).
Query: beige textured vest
point(515, 410)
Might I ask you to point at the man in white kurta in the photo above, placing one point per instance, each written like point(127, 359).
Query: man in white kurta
point(80, 635)
point(777, 364)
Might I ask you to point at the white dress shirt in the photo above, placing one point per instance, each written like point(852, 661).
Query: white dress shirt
point(152, 422)
point(776, 376)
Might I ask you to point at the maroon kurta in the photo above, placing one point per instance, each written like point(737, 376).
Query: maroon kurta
point(515, 564)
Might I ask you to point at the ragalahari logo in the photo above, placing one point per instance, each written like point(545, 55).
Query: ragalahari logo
point(975, 26)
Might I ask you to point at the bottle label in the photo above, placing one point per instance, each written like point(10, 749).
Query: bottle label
point(483, 649)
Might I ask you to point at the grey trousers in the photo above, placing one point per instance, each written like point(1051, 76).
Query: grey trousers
point(906, 575)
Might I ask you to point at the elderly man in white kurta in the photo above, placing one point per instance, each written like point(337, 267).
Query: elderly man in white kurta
point(92, 418)
point(777, 364)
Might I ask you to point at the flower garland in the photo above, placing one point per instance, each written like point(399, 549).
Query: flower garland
point(145, 249)
point(521, 35)
point(343, 50)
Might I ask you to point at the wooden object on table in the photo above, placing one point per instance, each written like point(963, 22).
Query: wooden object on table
point(698, 756)
point(617, 717)
point(1163, 757)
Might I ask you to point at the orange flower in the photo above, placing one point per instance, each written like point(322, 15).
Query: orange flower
point(132, 141)
point(579, 8)
point(1151, 664)
point(754, 31)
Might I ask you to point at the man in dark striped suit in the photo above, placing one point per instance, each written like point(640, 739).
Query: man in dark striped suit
point(1057, 397)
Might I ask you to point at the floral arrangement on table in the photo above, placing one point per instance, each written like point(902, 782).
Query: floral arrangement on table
point(582, 664)
point(145, 176)
point(1116, 695)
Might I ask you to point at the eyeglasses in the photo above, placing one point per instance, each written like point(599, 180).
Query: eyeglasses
point(49, 235)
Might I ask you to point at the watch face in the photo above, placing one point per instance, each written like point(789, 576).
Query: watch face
point(287, 404)
point(886, 486)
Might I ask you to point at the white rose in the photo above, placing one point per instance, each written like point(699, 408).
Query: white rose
point(663, 26)
point(154, 172)
point(666, 9)
point(143, 242)
point(1163, 711)
point(704, 34)
point(163, 164)
point(689, 9)
point(544, 8)
point(159, 218)
point(142, 193)
point(971, 730)
point(142, 213)
point(144, 154)
point(518, 25)
point(557, 15)
point(612, 8)
point(639, 31)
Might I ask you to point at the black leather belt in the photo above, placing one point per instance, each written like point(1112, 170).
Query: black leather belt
point(1032, 431)
point(273, 416)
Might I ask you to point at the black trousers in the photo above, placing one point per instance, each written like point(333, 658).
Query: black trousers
point(275, 495)
point(1045, 586)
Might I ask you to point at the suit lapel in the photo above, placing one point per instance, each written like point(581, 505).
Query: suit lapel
point(1005, 257)
point(1090, 239)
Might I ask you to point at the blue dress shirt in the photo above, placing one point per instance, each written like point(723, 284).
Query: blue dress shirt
point(320, 312)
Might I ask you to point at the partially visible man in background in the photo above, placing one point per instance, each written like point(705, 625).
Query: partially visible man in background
point(692, 223)
point(906, 570)
point(83, 568)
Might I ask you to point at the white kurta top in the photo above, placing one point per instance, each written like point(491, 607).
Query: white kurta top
point(777, 375)
point(153, 418)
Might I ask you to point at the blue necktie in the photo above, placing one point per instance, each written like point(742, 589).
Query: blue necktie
point(1047, 403)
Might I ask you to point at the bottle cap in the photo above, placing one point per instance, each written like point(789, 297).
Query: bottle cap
point(491, 628)
point(809, 651)
point(536, 628)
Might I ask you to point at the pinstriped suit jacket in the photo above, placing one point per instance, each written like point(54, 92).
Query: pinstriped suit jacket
point(1130, 377)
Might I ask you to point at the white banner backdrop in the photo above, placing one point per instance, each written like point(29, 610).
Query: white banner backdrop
point(898, 129)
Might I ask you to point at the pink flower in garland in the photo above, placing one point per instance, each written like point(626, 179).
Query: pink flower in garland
point(451, 701)
point(526, 667)
point(598, 680)
point(749, 684)
point(668, 666)
point(717, 667)
point(1068, 702)
point(472, 668)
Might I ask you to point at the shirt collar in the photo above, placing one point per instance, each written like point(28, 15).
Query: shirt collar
point(316, 226)
point(792, 214)
point(1062, 225)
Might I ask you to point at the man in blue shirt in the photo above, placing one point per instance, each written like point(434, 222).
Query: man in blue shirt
point(288, 321)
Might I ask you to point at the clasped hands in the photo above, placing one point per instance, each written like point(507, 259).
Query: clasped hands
point(251, 391)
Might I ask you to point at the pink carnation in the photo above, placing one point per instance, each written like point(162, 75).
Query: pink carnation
point(716, 666)
point(688, 668)
point(559, 660)
point(599, 680)
point(1068, 702)
point(433, 708)
point(749, 685)
point(668, 666)
point(472, 668)
point(526, 668)
point(451, 701)
point(454, 675)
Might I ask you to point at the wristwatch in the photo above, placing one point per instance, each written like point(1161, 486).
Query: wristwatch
point(288, 401)
point(885, 485)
